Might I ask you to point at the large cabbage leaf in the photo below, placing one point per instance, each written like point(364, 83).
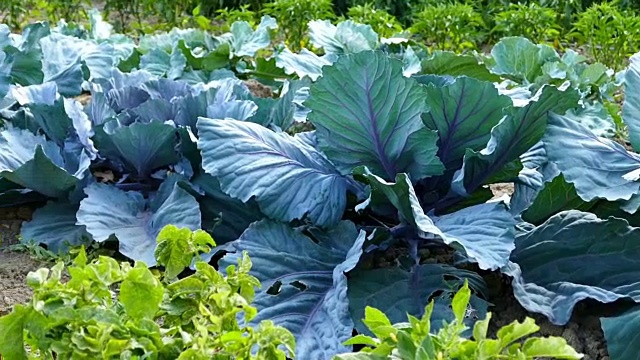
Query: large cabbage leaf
point(463, 113)
point(134, 220)
point(163, 64)
point(597, 167)
point(347, 37)
point(485, 232)
point(141, 147)
point(225, 217)
point(61, 119)
point(5, 75)
point(46, 111)
point(631, 107)
point(622, 334)
point(38, 164)
point(246, 41)
point(304, 63)
point(594, 117)
point(288, 178)
point(548, 263)
point(55, 226)
point(304, 286)
point(555, 196)
point(367, 113)
point(520, 130)
point(397, 292)
point(520, 59)
point(449, 63)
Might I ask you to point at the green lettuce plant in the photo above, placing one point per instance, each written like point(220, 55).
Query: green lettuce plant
point(111, 310)
point(414, 340)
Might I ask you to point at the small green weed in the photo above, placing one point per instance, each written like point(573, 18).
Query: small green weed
point(414, 340)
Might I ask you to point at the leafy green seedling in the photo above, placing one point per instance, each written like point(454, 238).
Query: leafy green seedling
point(177, 247)
point(195, 317)
point(414, 341)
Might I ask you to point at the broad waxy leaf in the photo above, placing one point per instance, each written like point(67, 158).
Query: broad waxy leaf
point(304, 63)
point(410, 62)
point(61, 119)
point(397, 292)
point(463, 113)
point(61, 66)
point(38, 164)
point(347, 37)
point(288, 108)
point(55, 225)
point(521, 129)
point(485, 231)
point(165, 41)
point(556, 196)
point(622, 334)
point(247, 42)
point(402, 196)
point(594, 117)
point(5, 75)
point(631, 107)
point(309, 295)
point(228, 217)
point(548, 264)
point(140, 293)
point(47, 108)
point(597, 167)
point(288, 178)
point(108, 211)
point(161, 63)
point(99, 58)
point(358, 122)
point(449, 63)
point(12, 334)
point(520, 59)
point(141, 147)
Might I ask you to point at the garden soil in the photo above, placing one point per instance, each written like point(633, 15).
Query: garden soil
point(582, 332)
point(14, 266)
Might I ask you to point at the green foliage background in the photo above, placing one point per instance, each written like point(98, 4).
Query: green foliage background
point(457, 25)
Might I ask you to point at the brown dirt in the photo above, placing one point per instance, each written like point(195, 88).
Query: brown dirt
point(14, 266)
point(583, 332)
point(258, 90)
point(501, 189)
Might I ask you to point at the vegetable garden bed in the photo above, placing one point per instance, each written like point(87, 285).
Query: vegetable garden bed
point(582, 332)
